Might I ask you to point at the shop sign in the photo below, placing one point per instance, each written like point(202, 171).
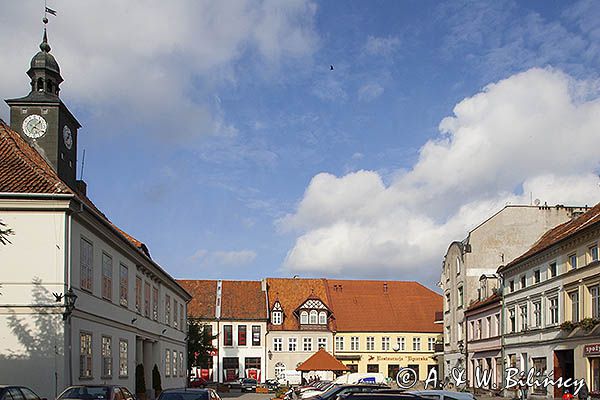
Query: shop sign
point(591, 350)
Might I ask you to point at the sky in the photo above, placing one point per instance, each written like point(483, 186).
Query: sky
point(217, 133)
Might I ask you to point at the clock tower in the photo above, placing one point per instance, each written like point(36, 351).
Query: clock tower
point(42, 118)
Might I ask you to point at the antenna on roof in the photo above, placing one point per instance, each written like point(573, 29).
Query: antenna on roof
point(82, 165)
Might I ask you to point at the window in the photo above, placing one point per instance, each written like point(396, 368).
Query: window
point(304, 317)
point(123, 358)
point(86, 265)
point(322, 343)
point(174, 363)
point(227, 335)
point(595, 293)
point(106, 357)
point(181, 315)
point(339, 343)
point(147, 299)
point(85, 355)
point(536, 276)
point(457, 266)
point(107, 272)
point(553, 270)
point(416, 344)
point(276, 318)
point(277, 344)
point(554, 310)
point(167, 362)
point(242, 335)
point(523, 281)
point(155, 303)
point(523, 310)
point(574, 296)
point(431, 344)
point(168, 309)
point(512, 319)
point(511, 285)
point(313, 317)
point(322, 318)
point(478, 329)
point(400, 343)
point(489, 326)
point(255, 335)
point(138, 294)
point(447, 334)
point(573, 261)
point(181, 363)
point(307, 344)
point(385, 343)
point(354, 344)
point(471, 333)
point(123, 285)
point(373, 368)
point(447, 301)
point(292, 344)
point(370, 343)
point(593, 253)
point(539, 365)
point(459, 334)
point(537, 314)
point(460, 296)
point(175, 314)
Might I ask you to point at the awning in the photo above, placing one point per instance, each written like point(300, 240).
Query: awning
point(322, 361)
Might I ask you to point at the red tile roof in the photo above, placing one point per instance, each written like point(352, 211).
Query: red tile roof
point(322, 361)
point(291, 293)
point(204, 298)
point(383, 306)
point(495, 298)
point(243, 300)
point(558, 234)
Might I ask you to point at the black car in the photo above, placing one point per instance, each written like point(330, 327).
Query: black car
point(189, 394)
point(248, 385)
point(96, 392)
point(17, 393)
point(380, 395)
point(338, 390)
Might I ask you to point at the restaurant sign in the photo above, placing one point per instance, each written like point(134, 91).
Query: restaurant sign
point(591, 350)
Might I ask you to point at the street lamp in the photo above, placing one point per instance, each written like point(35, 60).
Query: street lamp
point(70, 300)
point(270, 354)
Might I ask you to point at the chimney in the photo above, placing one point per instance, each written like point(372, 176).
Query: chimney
point(81, 187)
point(385, 287)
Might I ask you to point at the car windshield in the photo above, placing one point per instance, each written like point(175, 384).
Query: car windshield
point(86, 392)
point(188, 395)
point(249, 381)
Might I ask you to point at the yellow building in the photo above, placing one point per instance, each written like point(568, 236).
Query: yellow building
point(382, 326)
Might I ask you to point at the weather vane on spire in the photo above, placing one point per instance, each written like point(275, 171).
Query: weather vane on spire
point(47, 10)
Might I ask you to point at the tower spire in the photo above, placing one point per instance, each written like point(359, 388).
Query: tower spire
point(44, 46)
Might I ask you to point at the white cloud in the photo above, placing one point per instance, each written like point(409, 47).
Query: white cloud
point(383, 46)
point(234, 258)
point(531, 133)
point(156, 65)
point(370, 91)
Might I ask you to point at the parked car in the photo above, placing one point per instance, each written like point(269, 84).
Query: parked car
point(189, 394)
point(96, 392)
point(337, 390)
point(198, 382)
point(17, 393)
point(237, 384)
point(272, 384)
point(248, 385)
point(443, 394)
point(380, 395)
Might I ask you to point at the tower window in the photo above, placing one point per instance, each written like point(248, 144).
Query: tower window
point(49, 86)
point(40, 85)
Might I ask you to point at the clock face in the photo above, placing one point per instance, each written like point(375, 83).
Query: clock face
point(34, 126)
point(67, 137)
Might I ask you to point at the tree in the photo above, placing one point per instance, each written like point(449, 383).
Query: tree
point(140, 380)
point(199, 344)
point(5, 232)
point(156, 383)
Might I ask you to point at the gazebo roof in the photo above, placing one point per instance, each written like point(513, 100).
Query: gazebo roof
point(322, 361)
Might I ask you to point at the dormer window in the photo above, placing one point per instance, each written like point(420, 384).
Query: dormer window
point(304, 317)
point(277, 318)
point(322, 318)
point(313, 317)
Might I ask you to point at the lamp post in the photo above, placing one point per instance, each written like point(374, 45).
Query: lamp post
point(70, 300)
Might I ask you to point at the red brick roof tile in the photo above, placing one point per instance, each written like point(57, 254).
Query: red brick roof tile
point(243, 300)
point(383, 306)
point(204, 297)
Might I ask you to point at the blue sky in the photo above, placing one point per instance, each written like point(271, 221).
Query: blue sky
point(216, 132)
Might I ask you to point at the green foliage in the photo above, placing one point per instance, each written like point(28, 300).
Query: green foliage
point(199, 343)
point(5, 232)
point(587, 324)
point(567, 326)
point(156, 383)
point(140, 380)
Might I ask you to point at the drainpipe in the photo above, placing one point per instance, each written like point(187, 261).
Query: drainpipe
point(502, 327)
point(218, 317)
